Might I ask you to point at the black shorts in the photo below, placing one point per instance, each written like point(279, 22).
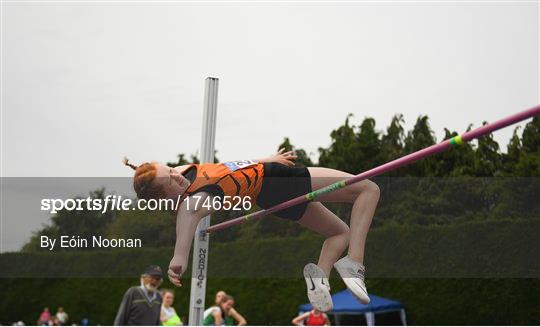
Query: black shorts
point(281, 183)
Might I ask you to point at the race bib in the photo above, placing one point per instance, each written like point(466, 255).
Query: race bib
point(239, 164)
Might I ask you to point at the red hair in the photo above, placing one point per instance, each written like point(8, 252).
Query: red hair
point(143, 181)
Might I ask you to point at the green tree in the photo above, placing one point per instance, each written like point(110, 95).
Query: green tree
point(512, 155)
point(368, 146)
point(529, 159)
point(392, 142)
point(343, 151)
point(531, 136)
point(420, 137)
point(528, 165)
point(353, 149)
point(456, 161)
point(488, 157)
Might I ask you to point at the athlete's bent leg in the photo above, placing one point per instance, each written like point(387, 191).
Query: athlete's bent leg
point(321, 220)
point(363, 195)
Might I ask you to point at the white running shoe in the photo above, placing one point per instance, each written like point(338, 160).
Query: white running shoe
point(353, 274)
point(318, 288)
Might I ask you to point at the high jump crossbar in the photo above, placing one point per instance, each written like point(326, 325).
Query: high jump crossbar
point(397, 163)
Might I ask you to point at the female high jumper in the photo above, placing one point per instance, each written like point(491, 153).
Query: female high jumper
point(268, 182)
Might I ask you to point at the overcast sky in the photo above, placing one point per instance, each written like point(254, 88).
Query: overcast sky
point(87, 83)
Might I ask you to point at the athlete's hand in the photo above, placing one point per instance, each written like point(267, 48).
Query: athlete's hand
point(282, 157)
point(175, 271)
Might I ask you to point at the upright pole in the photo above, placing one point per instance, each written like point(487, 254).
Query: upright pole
point(200, 248)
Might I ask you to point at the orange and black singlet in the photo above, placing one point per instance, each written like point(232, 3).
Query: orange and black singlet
point(235, 178)
point(268, 184)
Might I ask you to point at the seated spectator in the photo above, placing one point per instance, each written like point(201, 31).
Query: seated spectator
point(54, 321)
point(223, 312)
point(312, 318)
point(215, 315)
point(231, 315)
point(219, 297)
point(62, 316)
point(44, 317)
point(168, 316)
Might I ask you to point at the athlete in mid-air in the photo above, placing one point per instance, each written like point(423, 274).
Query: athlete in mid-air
point(267, 182)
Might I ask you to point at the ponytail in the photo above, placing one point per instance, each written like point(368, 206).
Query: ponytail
point(126, 162)
point(143, 180)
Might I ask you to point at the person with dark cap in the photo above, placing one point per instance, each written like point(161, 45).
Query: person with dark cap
point(141, 305)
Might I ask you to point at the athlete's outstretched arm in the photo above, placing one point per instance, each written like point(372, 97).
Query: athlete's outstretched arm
point(282, 157)
point(187, 219)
